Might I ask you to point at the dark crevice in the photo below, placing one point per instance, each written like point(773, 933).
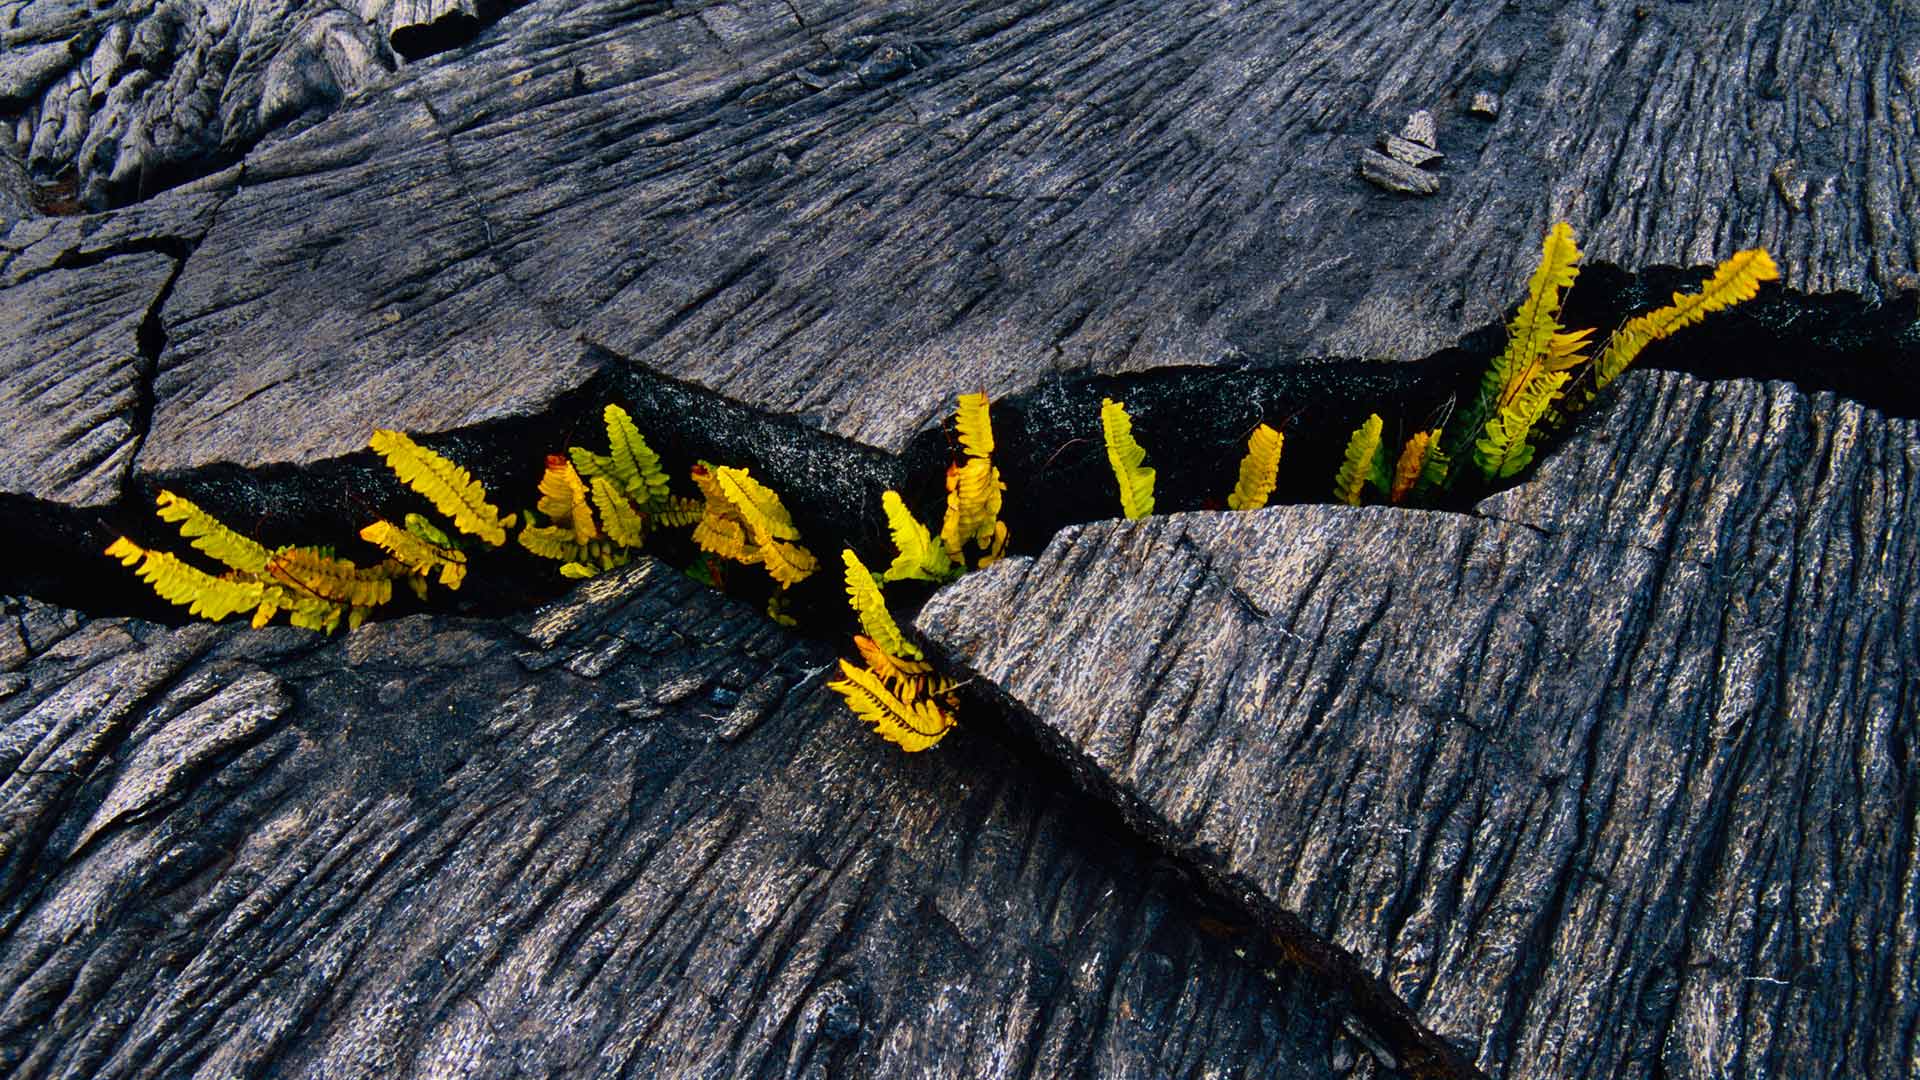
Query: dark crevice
point(1194, 422)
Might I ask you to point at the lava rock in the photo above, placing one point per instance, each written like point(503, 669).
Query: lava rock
point(1602, 777)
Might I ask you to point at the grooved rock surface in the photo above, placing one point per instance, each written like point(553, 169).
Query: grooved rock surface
point(846, 211)
point(111, 101)
point(633, 837)
point(71, 377)
point(1611, 777)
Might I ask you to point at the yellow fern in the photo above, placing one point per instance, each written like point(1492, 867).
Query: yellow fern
point(970, 420)
point(919, 557)
point(1734, 281)
point(210, 536)
point(912, 726)
point(1258, 470)
point(420, 555)
point(451, 489)
point(870, 605)
point(339, 580)
point(1357, 465)
point(1125, 456)
point(973, 506)
point(177, 582)
point(563, 500)
point(623, 522)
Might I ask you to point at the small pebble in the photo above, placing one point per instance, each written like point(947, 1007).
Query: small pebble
point(1420, 129)
point(1485, 103)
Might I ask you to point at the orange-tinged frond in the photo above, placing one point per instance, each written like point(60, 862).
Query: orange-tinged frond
point(563, 499)
point(1412, 464)
point(312, 572)
point(887, 665)
point(912, 726)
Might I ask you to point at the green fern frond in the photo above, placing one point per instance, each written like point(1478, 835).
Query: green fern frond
point(624, 523)
point(1506, 448)
point(1357, 466)
point(632, 462)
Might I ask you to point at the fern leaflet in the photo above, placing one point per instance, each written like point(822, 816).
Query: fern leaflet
point(1358, 466)
point(1258, 470)
point(1125, 456)
point(451, 489)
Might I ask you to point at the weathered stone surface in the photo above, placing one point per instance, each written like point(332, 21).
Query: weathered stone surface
point(636, 837)
point(119, 99)
point(847, 211)
point(1610, 777)
point(72, 377)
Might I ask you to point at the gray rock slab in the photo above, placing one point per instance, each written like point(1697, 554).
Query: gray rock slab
point(73, 377)
point(633, 835)
point(850, 211)
point(1609, 777)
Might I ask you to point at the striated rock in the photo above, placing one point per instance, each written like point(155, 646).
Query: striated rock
point(73, 378)
point(850, 219)
point(127, 97)
point(634, 836)
point(1606, 778)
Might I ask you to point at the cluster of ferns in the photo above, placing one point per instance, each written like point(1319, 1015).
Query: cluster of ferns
point(595, 511)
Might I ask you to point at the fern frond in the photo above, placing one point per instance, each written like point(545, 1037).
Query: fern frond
point(623, 522)
point(895, 669)
point(1505, 449)
point(912, 726)
point(870, 605)
point(973, 505)
point(995, 546)
point(181, 583)
point(632, 462)
point(971, 422)
point(1413, 463)
point(725, 537)
point(314, 572)
point(1734, 281)
point(1258, 470)
point(1357, 466)
point(210, 536)
point(919, 557)
point(552, 542)
point(563, 500)
point(677, 513)
point(417, 554)
point(1125, 456)
point(758, 506)
point(451, 489)
point(418, 525)
point(790, 564)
